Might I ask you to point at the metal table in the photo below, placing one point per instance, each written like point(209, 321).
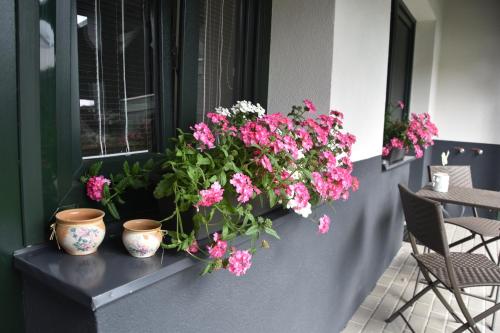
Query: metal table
point(473, 197)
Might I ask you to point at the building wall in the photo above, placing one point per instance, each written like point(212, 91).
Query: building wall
point(359, 71)
point(300, 64)
point(468, 89)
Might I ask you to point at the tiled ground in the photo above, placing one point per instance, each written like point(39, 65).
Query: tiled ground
point(427, 315)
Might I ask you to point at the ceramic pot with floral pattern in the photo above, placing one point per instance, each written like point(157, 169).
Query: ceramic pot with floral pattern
point(80, 231)
point(142, 237)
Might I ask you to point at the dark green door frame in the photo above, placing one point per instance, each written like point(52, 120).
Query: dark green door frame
point(10, 201)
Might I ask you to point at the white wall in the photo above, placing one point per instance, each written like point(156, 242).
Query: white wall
point(359, 76)
point(300, 64)
point(468, 87)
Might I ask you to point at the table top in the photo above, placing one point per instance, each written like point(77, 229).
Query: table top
point(464, 196)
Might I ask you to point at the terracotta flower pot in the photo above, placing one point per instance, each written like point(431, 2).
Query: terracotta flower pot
point(142, 237)
point(80, 231)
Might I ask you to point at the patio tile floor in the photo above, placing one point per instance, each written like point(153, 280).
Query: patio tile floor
point(427, 315)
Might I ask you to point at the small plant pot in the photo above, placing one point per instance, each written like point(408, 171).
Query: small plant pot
point(142, 237)
point(80, 231)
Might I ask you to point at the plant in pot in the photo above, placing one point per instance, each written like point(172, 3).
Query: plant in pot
point(239, 157)
point(402, 137)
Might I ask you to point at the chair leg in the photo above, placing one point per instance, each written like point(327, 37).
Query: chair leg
point(497, 300)
point(487, 248)
point(417, 282)
point(471, 322)
point(410, 302)
point(478, 318)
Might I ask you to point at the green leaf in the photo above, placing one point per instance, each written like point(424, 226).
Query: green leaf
point(112, 209)
point(222, 178)
point(136, 168)
point(126, 168)
point(273, 199)
point(272, 232)
point(225, 231)
point(95, 168)
point(200, 160)
point(252, 230)
point(207, 269)
point(164, 187)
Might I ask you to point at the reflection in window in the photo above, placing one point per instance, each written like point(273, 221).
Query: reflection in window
point(217, 55)
point(115, 62)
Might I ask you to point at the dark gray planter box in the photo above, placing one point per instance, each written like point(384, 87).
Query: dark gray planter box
point(305, 283)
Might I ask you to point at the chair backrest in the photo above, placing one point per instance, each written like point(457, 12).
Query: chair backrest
point(460, 175)
point(424, 220)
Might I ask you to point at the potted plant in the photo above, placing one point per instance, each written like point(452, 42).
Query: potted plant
point(402, 137)
point(241, 155)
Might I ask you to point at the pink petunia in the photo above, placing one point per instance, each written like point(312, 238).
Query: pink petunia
point(239, 262)
point(266, 163)
point(310, 105)
point(210, 196)
point(204, 135)
point(193, 248)
point(95, 187)
point(243, 185)
point(218, 249)
point(324, 224)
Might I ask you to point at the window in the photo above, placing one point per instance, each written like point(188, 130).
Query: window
point(400, 59)
point(118, 76)
point(116, 81)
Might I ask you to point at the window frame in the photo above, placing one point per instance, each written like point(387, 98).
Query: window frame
point(58, 140)
point(399, 10)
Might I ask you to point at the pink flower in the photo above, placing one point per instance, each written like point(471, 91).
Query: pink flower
point(203, 134)
point(310, 105)
point(400, 104)
point(239, 262)
point(386, 151)
point(397, 143)
point(266, 163)
point(218, 249)
point(305, 138)
point(243, 186)
point(211, 196)
point(324, 224)
point(193, 248)
point(418, 151)
point(95, 187)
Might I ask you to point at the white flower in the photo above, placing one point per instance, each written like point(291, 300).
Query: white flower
point(305, 212)
point(222, 111)
point(248, 107)
point(300, 154)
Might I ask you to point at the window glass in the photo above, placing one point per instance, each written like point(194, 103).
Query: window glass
point(217, 55)
point(115, 66)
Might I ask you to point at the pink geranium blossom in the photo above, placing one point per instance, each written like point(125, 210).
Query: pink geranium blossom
point(266, 163)
point(218, 249)
point(239, 262)
point(95, 187)
point(204, 135)
point(310, 105)
point(210, 196)
point(243, 185)
point(324, 224)
point(193, 248)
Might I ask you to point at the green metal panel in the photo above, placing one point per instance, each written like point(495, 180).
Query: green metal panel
point(189, 29)
point(10, 199)
point(29, 120)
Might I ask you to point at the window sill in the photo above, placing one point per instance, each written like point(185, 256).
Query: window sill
point(110, 274)
point(407, 159)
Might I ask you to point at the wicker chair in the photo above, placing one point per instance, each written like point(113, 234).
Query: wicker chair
point(454, 271)
point(460, 176)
